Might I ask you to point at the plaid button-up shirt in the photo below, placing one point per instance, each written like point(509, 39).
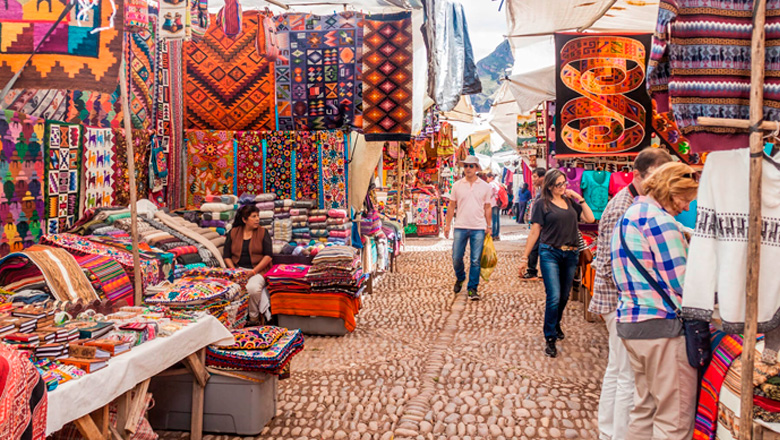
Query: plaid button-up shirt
point(657, 241)
point(605, 293)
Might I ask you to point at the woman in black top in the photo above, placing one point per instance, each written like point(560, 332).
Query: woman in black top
point(554, 221)
point(248, 246)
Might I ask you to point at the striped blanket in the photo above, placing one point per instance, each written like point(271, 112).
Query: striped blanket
point(109, 276)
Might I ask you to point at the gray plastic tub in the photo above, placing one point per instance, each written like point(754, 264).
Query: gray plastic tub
point(313, 325)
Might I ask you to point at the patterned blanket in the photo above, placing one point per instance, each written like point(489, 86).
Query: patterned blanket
point(227, 84)
point(333, 170)
point(211, 165)
point(62, 158)
point(249, 162)
point(141, 75)
point(142, 150)
point(95, 109)
point(278, 160)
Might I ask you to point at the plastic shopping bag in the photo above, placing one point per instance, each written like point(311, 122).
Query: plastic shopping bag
point(489, 258)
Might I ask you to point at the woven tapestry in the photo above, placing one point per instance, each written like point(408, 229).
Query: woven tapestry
point(227, 84)
point(99, 168)
point(141, 61)
point(168, 99)
point(21, 168)
point(95, 109)
point(141, 152)
point(249, 162)
point(318, 73)
point(387, 77)
point(46, 103)
point(278, 163)
point(334, 176)
point(174, 22)
point(602, 107)
point(211, 165)
point(666, 128)
point(62, 162)
point(307, 169)
point(83, 52)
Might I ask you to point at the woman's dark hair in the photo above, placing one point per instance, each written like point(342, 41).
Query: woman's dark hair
point(525, 186)
point(547, 185)
point(243, 213)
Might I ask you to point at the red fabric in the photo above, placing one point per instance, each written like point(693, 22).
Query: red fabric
point(23, 399)
point(229, 17)
point(618, 181)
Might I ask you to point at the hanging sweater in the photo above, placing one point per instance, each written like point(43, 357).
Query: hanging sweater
point(717, 261)
point(700, 65)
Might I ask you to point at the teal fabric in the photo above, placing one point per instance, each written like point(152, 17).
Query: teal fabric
point(595, 189)
point(688, 218)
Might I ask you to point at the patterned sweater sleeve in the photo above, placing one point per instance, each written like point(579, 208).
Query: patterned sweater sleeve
point(658, 64)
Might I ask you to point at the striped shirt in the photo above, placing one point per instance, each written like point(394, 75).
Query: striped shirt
point(605, 293)
point(657, 241)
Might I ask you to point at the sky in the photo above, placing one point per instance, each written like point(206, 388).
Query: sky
point(487, 26)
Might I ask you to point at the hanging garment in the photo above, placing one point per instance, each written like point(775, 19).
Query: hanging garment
point(456, 74)
point(700, 66)
point(717, 261)
point(573, 178)
point(229, 18)
point(595, 190)
point(618, 181)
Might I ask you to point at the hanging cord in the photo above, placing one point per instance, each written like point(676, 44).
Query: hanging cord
point(18, 73)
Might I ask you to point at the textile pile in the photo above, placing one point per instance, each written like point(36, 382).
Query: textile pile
point(299, 215)
point(218, 297)
point(283, 224)
point(339, 227)
point(267, 349)
point(337, 270)
point(288, 278)
point(265, 203)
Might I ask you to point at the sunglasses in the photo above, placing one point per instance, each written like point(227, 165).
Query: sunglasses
point(692, 176)
point(470, 165)
point(559, 185)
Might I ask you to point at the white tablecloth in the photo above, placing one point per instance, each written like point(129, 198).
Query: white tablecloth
point(77, 398)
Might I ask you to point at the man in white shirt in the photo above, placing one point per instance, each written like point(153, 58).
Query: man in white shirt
point(470, 198)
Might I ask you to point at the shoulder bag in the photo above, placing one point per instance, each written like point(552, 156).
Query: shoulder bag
point(697, 333)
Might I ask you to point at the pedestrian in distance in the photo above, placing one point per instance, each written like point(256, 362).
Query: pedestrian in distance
point(531, 273)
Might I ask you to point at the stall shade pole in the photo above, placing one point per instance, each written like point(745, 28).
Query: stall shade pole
point(133, 189)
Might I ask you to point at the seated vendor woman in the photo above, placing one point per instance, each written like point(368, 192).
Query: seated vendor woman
point(249, 246)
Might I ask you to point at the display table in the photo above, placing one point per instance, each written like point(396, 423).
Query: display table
point(77, 399)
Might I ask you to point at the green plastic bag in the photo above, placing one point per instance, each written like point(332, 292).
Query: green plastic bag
point(489, 258)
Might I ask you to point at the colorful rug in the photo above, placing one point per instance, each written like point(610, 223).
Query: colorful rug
point(424, 210)
point(22, 172)
point(665, 126)
point(332, 170)
point(227, 85)
point(141, 61)
point(83, 52)
point(103, 110)
point(211, 165)
point(62, 156)
point(46, 104)
point(142, 150)
point(169, 104)
point(99, 168)
point(307, 169)
point(596, 117)
point(318, 73)
point(387, 77)
point(249, 162)
point(278, 163)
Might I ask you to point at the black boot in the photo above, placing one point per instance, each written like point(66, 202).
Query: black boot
point(550, 349)
point(560, 333)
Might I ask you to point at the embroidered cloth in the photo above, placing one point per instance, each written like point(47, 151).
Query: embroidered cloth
point(210, 168)
point(249, 162)
point(63, 154)
point(333, 169)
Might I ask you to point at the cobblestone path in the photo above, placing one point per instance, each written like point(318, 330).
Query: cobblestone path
point(424, 363)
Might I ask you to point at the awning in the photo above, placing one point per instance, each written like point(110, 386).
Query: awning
point(322, 7)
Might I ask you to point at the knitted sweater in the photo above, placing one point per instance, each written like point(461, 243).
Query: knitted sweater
point(700, 65)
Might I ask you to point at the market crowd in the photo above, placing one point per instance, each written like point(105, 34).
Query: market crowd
point(649, 388)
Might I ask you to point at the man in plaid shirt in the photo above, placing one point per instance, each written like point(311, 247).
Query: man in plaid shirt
point(617, 389)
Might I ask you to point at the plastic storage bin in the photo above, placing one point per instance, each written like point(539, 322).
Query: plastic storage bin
point(313, 325)
point(231, 405)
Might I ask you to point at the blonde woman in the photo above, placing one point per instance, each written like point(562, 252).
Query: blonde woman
point(665, 396)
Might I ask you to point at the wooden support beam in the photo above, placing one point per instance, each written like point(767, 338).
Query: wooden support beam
point(102, 420)
point(735, 123)
point(197, 367)
point(137, 406)
point(122, 410)
point(198, 394)
point(88, 428)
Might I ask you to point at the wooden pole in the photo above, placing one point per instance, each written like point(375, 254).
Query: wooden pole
point(133, 189)
point(399, 193)
point(754, 219)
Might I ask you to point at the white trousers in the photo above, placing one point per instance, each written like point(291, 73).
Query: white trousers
point(617, 388)
point(259, 299)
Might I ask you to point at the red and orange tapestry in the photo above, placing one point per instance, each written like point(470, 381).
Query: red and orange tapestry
point(249, 162)
point(601, 102)
point(84, 51)
point(227, 84)
point(210, 165)
point(387, 77)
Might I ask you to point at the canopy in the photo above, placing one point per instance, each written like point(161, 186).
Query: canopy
point(323, 7)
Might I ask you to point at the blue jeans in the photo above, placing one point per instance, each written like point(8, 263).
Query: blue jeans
point(477, 238)
point(496, 216)
point(558, 268)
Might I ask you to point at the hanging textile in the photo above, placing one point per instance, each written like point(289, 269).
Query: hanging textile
point(62, 161)
point(210, 167)
point(666, 128)
point(141, 62)
point(23, 397)
point(445, 144)
point(278, 163)
point(95, 109)
point(199, 18)
point(99, 166)
point(620, 109)
point(174, 19)
point(22, 172)
point(168, 100)
point(227, 85)
point(307, 169)
point(333, 169)
point(387, 77)
point(82, 54)
point(318, 74)
point(136, 16)
point(141, 153)
point(46, 104)
point(249, 162)
point(424, 210)
point(229, 18)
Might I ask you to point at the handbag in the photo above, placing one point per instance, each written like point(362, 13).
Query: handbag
point(697, 332)
point(586, 255)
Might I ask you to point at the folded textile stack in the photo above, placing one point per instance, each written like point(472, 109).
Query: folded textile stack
point(220, 298)
point(288, 278)
point(266, 213)
point(237, 311)
point(246, 199)
point(339, 227)
point(283, 229)
point(370, 224)
point(318, 224)
point(300, 220)
point(267, 349)
point(192, 234)
point(336, 270)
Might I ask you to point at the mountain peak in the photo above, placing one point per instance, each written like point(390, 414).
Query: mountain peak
point(490, 70)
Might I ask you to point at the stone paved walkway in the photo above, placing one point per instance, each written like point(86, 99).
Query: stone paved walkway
point(426, 364)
